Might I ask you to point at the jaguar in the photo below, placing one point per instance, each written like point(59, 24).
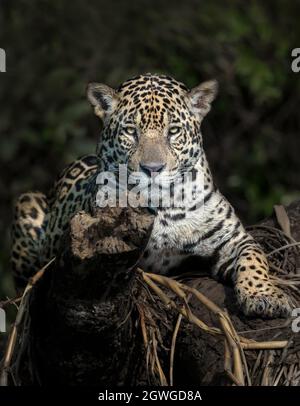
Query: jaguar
point(152, 125)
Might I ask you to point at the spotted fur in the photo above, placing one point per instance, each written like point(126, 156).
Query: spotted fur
point(153, 124)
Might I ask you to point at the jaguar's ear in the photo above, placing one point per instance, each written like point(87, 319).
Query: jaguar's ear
point(103, 98)
point(201, 96)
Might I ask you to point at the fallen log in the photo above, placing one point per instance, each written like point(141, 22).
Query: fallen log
point(91, 317)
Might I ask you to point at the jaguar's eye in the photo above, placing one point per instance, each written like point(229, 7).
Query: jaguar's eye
point(174, 130)
point(130, 130)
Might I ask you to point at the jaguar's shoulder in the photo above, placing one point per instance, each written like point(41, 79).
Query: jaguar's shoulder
point(73, 177)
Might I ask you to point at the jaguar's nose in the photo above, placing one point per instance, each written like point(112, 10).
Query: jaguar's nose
point(152, 167)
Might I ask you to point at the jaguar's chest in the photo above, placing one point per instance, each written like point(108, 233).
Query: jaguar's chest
point(174, 228)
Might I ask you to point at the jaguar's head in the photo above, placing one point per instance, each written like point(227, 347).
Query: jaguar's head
point(152, 124)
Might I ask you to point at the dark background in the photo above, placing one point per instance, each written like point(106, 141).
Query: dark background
point(54, 48)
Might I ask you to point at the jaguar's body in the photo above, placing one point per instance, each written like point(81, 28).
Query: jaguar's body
point(152, 125)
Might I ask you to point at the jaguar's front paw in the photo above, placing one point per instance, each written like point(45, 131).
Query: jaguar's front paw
point(263, 300)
